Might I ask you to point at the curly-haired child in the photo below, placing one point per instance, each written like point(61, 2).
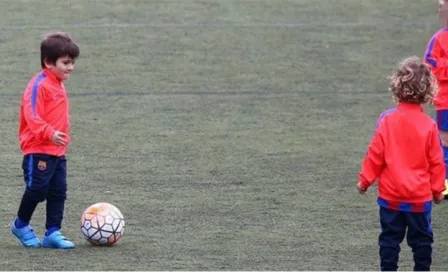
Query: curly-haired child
point(406, 157)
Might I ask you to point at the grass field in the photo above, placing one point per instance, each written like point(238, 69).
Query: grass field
point(228, 132)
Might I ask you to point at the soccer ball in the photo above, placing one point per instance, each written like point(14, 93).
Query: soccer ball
point(102, 224)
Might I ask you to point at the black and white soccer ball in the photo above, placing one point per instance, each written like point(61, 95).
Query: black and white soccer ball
point(102, 224)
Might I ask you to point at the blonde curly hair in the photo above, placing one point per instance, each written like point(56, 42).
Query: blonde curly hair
point(413, 82)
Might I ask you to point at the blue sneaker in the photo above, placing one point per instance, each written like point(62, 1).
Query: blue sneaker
point(26, 235)
point(57, 240)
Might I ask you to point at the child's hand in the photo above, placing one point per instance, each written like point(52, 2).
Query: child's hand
point(361, 189)
point(438, 199)
point(59, 138)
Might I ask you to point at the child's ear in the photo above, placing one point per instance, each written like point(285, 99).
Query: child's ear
point(48, 64)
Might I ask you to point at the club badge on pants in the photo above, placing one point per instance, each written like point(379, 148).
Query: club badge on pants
point(42, 165)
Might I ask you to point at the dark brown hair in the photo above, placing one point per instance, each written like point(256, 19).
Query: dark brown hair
point(57, 45)
point(413, 82)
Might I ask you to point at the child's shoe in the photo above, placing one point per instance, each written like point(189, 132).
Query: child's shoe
point(57, 240)
point(26, 235)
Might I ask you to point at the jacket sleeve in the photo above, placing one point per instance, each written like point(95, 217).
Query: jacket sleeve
point(435, 57)
point(436, 163)
point(33, 111)
point(373, 162)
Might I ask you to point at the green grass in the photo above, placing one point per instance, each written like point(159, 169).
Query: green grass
point(229, 133)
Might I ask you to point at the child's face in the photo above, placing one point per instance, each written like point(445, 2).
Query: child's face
point(62, 68)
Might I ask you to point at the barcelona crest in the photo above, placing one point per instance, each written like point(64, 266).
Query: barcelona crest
point(42, 165)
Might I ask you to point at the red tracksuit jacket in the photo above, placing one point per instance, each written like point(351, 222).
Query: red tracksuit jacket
point(406, 157)
point(437, 58)
point(44, 110)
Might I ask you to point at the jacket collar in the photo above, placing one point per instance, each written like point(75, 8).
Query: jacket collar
point(409, 106)
point(51, 76)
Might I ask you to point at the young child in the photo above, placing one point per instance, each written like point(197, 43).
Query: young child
point(437, 60)
point(406, 157)
point(43, 136)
